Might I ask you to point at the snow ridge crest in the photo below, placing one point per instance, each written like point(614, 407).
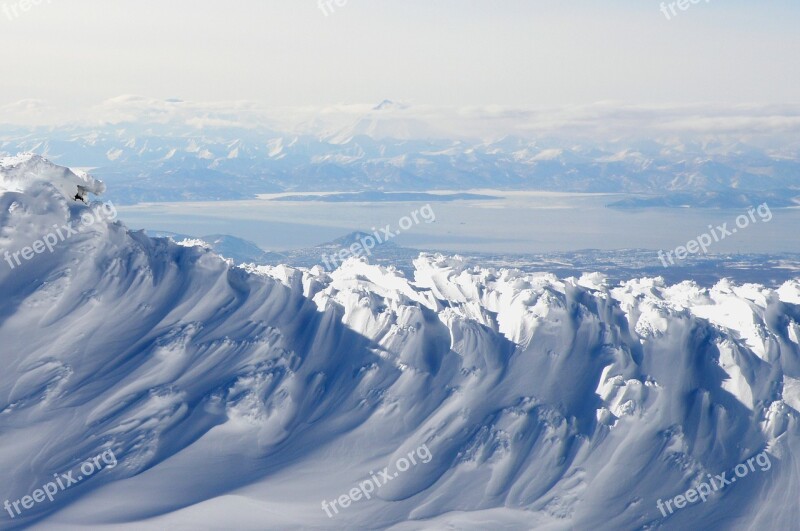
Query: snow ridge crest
point(19, 173)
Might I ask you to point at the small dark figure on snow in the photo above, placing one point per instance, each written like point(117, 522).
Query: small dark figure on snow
point(81, 195)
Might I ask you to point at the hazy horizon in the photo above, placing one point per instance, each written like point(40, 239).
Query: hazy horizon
point(444, 54)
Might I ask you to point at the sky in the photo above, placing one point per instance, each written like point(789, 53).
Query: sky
point(78, 53)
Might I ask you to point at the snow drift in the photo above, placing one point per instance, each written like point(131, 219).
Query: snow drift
point(242, 397)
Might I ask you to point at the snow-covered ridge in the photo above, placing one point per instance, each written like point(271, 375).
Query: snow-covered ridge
point(241, 397)
point(20, 172)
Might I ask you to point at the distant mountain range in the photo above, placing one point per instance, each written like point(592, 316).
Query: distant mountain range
point(393, 147)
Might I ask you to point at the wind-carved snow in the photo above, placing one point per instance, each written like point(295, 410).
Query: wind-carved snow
point(28, 169)
point(241, 397)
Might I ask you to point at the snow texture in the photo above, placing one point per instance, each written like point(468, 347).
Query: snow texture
point(242, 397)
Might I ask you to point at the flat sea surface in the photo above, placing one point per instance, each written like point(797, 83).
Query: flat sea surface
point(516, 222)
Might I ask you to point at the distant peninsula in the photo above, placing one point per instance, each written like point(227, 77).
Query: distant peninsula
point(722, 199)
point(386, 197)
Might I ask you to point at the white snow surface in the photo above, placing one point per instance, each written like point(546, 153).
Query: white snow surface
point(242, 397)
point(26, 170)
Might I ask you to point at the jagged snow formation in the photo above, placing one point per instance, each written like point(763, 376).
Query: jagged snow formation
point(27, 169)
point(242, 397)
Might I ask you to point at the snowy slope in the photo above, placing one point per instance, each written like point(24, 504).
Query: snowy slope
point(241, 398)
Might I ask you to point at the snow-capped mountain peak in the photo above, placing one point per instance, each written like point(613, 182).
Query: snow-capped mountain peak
point(386, 105)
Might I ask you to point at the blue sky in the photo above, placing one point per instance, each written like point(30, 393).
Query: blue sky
point(439, 52)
